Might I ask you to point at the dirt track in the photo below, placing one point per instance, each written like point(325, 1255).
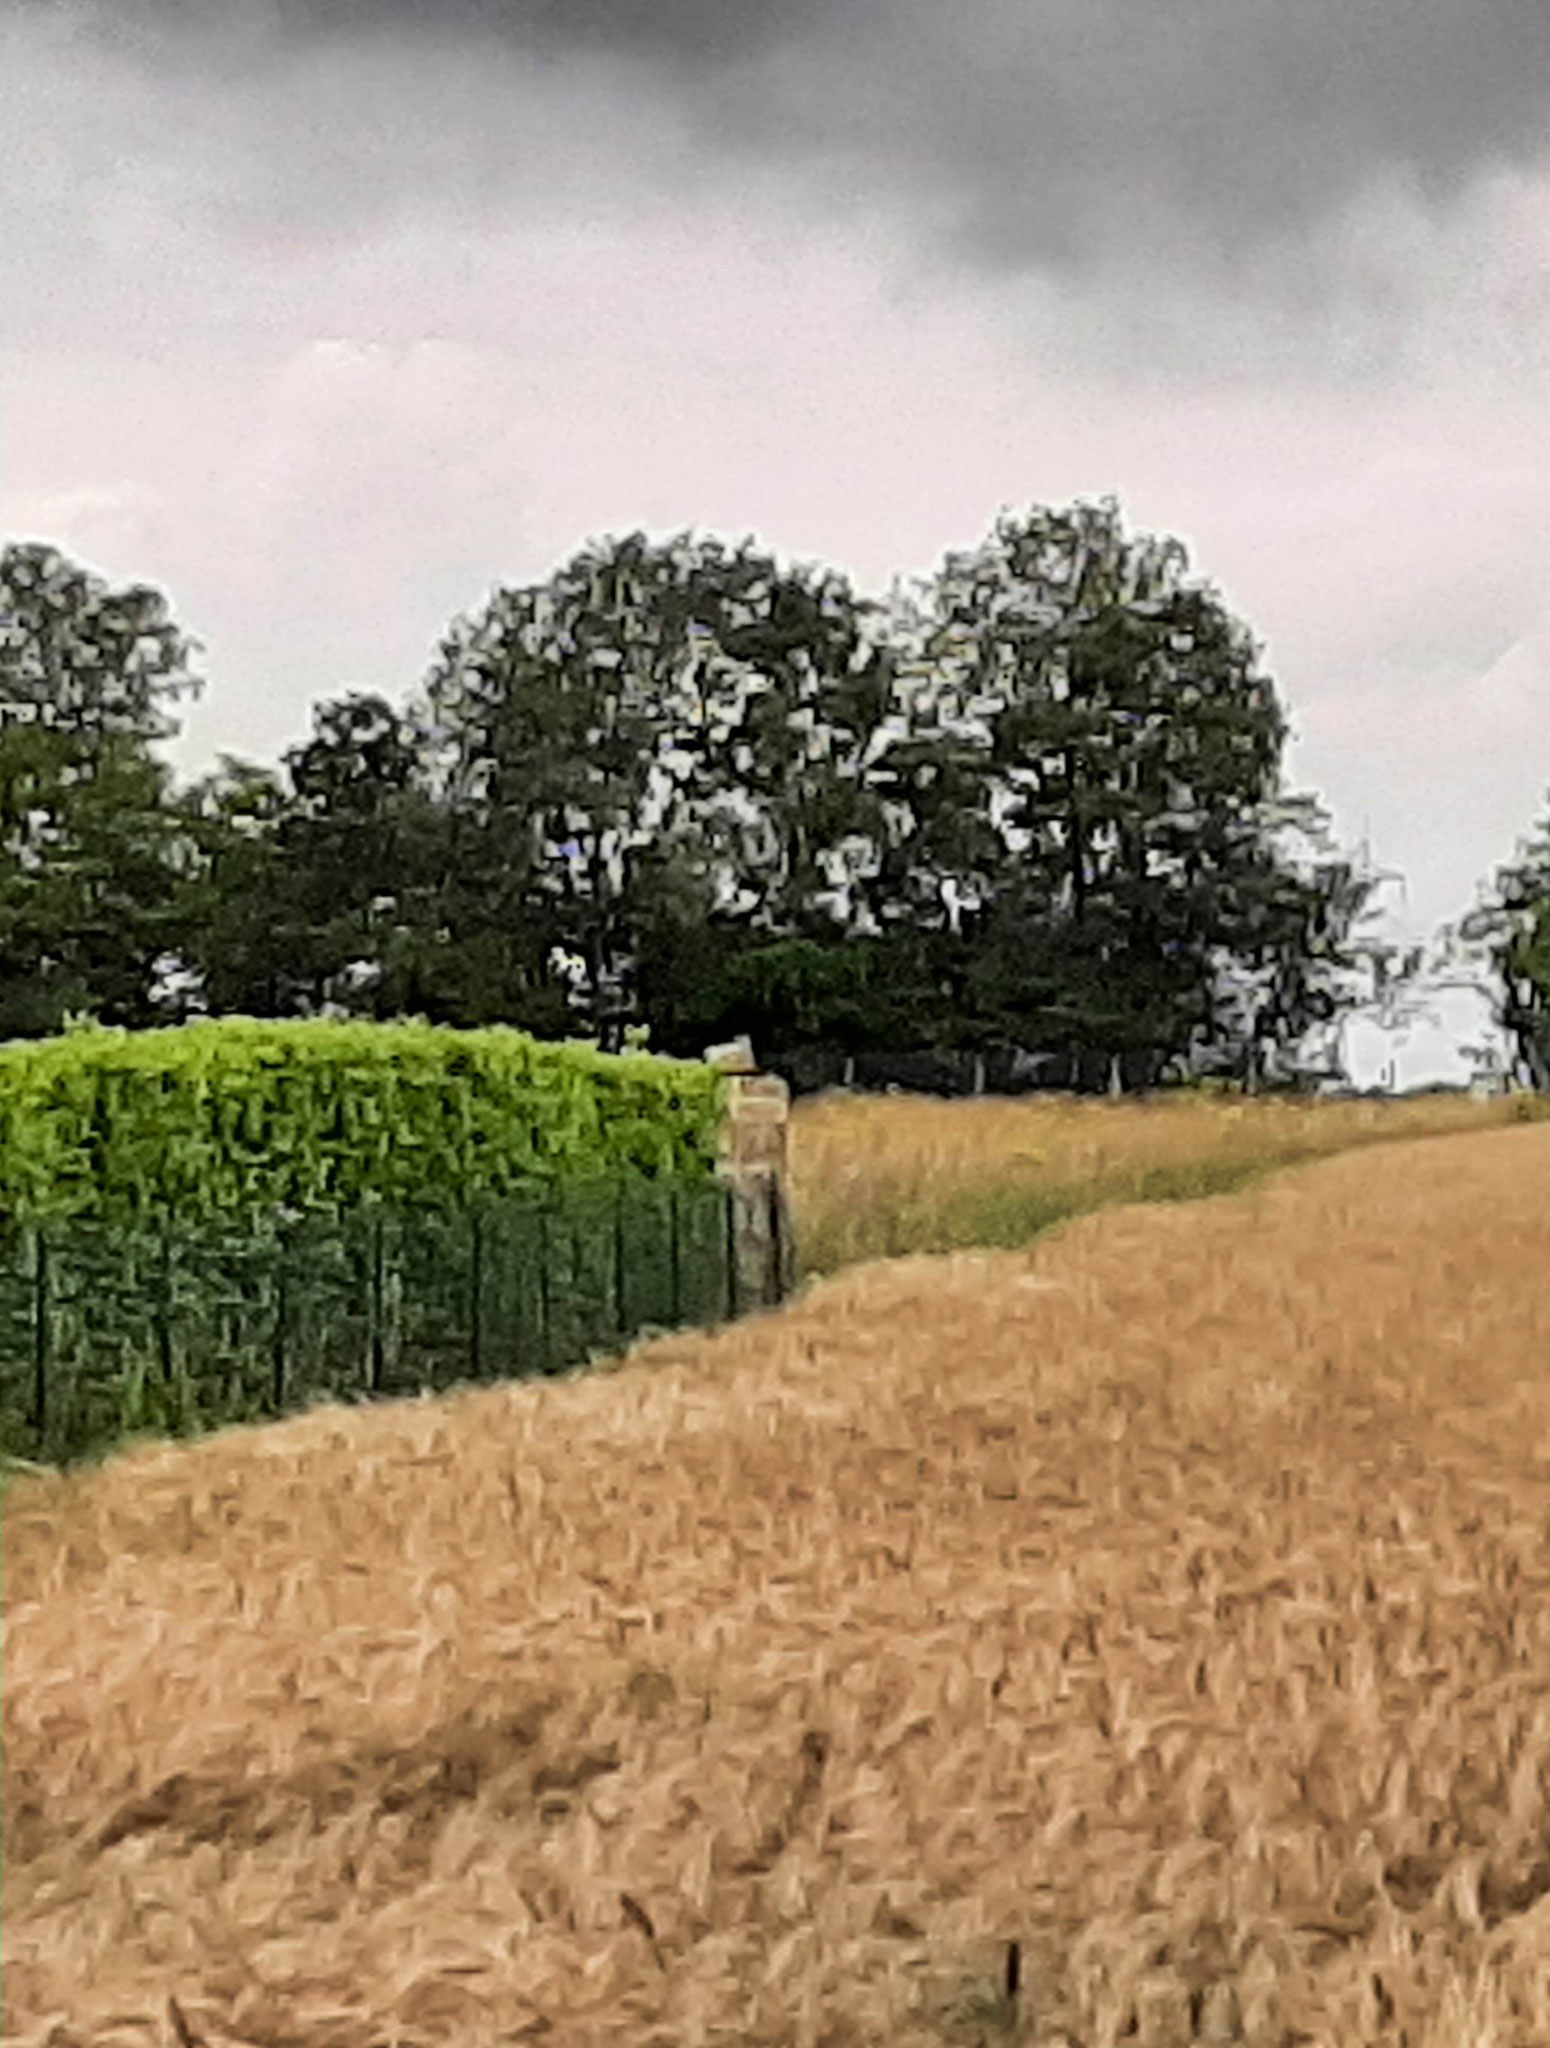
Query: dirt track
point(1169, 1599)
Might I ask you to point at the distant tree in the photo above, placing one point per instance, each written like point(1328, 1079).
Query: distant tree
point(1528, 1008)
point(325, 888)
point(1502, 950)
point(368, 850)
point(241, 928)
point(91, 848)
point(854, 995)
point(1291, 958)
point(1531, 951)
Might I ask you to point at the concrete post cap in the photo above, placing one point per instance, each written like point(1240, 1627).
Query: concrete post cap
point(735, 1058)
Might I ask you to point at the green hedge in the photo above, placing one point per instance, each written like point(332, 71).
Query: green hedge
point(237, 1118)
point(234, 1218)
point(108, 1332)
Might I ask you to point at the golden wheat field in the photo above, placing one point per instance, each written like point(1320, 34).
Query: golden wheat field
point(1156, 1614)
point(874, 1176)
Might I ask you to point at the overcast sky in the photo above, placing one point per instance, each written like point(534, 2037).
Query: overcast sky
point(325, 318)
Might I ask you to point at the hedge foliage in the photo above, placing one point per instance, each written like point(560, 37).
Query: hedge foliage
point(108, 1332)
point(241, 1118)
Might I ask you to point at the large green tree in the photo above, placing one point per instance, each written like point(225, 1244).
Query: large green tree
point(1126, 747)
point(1039, 803)
point(91, 849)
point(543, 721)
point(657, 756)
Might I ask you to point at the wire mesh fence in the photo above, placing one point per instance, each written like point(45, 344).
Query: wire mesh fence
point(107, 1332)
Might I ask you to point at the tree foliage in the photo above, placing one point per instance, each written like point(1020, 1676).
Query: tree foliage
point(634, 751)
point(1116, 752)
point(90, 849)
point(1034, 801)
point(1508, 935)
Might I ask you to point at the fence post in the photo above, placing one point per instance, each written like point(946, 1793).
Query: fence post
point(282, 1309)
point(40, 1335)
point(752, 1163)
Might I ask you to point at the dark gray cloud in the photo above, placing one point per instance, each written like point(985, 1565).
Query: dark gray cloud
point(1218, 136)
point(679, 37)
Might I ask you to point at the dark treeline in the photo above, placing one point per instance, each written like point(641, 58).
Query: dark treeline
point(1025, 819)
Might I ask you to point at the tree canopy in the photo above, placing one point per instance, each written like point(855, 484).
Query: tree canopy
point(1033, 802)
point(90, 850)
point(1508, 933)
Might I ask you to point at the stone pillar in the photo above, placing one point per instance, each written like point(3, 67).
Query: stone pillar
point(753, 1163)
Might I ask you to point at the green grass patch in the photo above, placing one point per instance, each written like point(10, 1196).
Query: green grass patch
point(1007, 1213)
